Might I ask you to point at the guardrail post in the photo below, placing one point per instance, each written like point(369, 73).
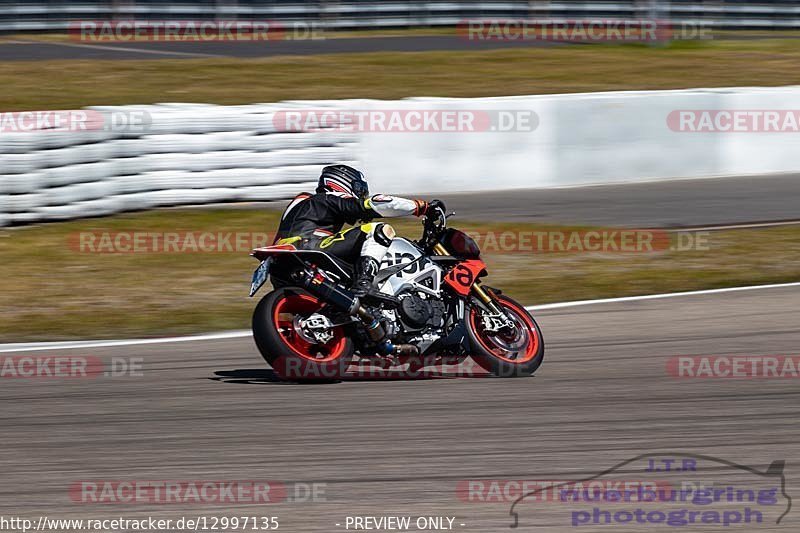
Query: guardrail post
point(538, 9)
point(223, 9)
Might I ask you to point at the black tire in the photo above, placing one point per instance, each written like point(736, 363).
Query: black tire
point(491, 361)
point(277, 350)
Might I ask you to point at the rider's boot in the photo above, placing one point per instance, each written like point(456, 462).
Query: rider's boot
point(366, 269)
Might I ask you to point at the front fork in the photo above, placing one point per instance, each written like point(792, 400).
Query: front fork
point(486, 297)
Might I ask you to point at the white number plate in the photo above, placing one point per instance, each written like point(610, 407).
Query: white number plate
point(259, 277)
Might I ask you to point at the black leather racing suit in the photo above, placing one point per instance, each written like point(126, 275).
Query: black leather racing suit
point(315, 221)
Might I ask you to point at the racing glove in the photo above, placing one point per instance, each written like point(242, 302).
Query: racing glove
point(394, 206)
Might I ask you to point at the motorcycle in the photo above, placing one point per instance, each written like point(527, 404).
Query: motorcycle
point(427, 307)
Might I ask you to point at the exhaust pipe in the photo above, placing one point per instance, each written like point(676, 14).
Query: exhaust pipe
point(318, 285)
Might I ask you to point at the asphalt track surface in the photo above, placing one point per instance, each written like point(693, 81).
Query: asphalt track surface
point(24, 50)
point(30, 50)
point(658, 204)
point(213, 411)
point(690, 203)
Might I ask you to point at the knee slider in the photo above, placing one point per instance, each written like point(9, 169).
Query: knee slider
point(384, 233)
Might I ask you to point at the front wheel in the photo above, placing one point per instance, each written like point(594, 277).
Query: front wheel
point(506, 351)
point(291, 352)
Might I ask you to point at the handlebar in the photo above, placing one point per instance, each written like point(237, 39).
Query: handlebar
point(434, 224)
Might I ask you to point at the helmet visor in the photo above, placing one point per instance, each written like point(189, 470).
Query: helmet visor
point(360, 188)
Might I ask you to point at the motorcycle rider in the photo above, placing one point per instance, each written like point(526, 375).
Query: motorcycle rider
point(315, 221)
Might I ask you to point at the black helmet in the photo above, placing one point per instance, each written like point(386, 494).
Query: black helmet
point(342, 178)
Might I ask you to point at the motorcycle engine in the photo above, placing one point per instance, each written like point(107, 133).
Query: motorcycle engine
point(419, 311)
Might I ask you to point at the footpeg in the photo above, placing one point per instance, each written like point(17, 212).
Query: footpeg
point(406, 350)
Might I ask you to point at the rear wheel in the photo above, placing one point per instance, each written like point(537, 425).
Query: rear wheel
point(506, 352)
point(292, 352)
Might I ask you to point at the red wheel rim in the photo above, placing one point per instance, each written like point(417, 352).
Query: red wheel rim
point(304, 305)
point(525, 326)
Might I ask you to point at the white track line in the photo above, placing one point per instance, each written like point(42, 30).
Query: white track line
point(127, 49)
point(77, 345)
point(659, 296)
point(725, 227)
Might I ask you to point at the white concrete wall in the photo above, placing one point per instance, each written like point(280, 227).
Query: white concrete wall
point(186, 154)
point(584, 139)
point(196, 154)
